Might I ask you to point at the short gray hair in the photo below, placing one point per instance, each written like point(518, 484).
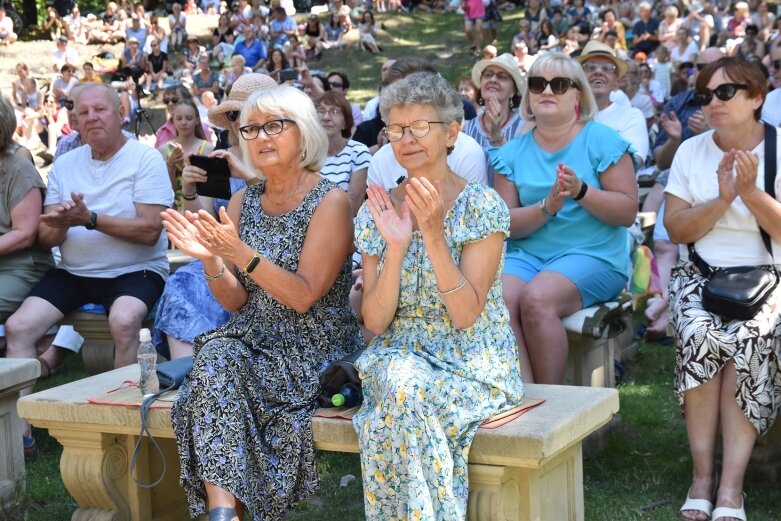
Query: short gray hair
point(423, 88)
point(288, 102)
point(561, 64)
point(7, 125)
point(108, 89)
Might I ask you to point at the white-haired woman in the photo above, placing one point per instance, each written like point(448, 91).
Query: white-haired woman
point(279, 258)
point(444, 356)
point(571, 189)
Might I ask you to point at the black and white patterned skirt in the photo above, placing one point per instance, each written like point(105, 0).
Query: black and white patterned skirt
point(706, 342)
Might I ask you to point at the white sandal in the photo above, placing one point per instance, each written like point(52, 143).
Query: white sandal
point(735, 513)
point(700, 505)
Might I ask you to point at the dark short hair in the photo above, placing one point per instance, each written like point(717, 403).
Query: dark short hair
point(405, 66)
point(343, 77)
point(739, 70)
point(337, 100)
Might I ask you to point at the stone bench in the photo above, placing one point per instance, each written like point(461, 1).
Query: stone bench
point(528, 469)
point(595, 334)
point(15, 374)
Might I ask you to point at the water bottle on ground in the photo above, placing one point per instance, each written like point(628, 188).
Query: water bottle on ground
point(348, 396)
point(147, 362)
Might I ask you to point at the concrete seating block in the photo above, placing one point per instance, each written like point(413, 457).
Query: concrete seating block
point(15, 374)
point(528, 469)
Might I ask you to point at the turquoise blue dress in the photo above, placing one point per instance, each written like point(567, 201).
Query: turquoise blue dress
point(427, 386)
point(574, 231)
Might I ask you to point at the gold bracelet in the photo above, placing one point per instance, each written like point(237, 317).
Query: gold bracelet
point(217, 276)
point(460, 286)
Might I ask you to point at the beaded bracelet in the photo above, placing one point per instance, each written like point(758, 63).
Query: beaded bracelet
point(217, 276)
point(460, 285)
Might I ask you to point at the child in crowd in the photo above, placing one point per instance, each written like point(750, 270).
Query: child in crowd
point(177, 22)
point(663, 70)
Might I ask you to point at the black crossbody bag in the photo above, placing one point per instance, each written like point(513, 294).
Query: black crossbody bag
point(738, 293)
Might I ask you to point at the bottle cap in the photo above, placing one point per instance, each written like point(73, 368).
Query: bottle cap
point(144, 335)
point(337, 400)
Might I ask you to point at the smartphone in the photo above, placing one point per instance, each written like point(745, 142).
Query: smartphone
point(287, 75)
point(218, 174)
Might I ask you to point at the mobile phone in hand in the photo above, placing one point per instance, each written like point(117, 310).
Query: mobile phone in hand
point(218, 174)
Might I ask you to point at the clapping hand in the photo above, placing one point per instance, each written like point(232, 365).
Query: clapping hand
point(395, 228)
point(68, 213)
point(493, 119)
point(671, 125)
point(697, 123)
point(569, 182)
point(426, 205)
point(727, 181)
point(746, 166)
point(200, 235)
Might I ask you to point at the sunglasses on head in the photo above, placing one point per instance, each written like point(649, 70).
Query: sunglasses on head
point(724, 92)
point(232, 115)
point(776, 64)
point(170, 101)
point(559, 85)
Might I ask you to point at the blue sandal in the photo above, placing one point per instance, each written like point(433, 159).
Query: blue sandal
point(222, 514)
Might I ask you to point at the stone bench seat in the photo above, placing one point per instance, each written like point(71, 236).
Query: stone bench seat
point(528, 469)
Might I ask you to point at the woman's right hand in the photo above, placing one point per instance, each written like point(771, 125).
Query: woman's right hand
point(555, 198)
point(395, 229)
point(183, 234)
point(177, 154)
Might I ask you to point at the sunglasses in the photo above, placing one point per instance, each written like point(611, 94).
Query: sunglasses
point(559, 85)
point(701, 66)
point(170, 101)
point(776, 64)
point(69, 104)
point(724, 92)
point(336, 84)
point(232, 115)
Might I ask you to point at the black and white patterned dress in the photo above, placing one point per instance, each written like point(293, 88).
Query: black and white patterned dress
point(243, 416)
point(706, 342)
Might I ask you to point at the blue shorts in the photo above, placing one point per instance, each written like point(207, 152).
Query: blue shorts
point(595, 280)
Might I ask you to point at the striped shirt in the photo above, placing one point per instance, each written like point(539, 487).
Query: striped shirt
point(339, 168)
point(474, 129)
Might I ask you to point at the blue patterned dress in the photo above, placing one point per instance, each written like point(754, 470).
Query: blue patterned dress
point(427, 386)
point(243, 419)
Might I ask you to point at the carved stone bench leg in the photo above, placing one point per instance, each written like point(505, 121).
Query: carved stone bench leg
point(11, 453)
point(590, 361)
point(554, 491)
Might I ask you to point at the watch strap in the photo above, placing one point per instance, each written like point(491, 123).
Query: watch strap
point(252, 263)
point(93, 221)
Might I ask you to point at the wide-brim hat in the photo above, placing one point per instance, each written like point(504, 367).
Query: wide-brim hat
point(504, 61)
point(595, 48)
point(245, 85)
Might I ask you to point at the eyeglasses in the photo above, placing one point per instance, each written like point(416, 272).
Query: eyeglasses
point(725, 92)
point(776, 64)
point(701, 66)
point(559, 85)
point(607, 68)
point(170, 101)
point(271, 128)
point(499, 75)
point(418, 129)
point(336, 84)
point(232, 115)
point(331, 112)
point(69, 104)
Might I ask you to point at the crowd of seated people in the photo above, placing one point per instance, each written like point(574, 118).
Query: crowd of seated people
point(560, 127)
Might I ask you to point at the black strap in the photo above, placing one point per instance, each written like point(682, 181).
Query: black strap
point(770, 188)
point(145, 406)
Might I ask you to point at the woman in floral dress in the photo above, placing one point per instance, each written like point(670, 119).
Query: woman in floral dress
point(243, 417)
point(444, 358)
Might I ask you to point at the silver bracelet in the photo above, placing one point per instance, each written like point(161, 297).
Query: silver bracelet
point(217, 276)
point(460, 285)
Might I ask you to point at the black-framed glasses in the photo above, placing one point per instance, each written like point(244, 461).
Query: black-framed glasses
point(69, 104)
point(331, 112)
point(558, 85)
point(725, 92)
point(270, 128)
point(607, 68)
point(170, 101)
point(232, 115)
point(418, 129)
point(336, 84)
point(499, 75)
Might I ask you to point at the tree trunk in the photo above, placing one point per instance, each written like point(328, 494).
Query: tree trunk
point(30, 12)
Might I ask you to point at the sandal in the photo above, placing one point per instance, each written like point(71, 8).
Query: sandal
point(222, 514)
point(46, 369)
point(736, 513)
point(699, 505)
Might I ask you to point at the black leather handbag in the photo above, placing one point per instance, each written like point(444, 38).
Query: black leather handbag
point(739, 293)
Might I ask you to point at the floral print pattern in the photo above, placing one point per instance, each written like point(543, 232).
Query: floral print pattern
point(243, 416)
point(706, 342)
point(427, 386)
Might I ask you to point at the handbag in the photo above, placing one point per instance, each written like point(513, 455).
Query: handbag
point(171, 375)
point(337, 375)
point(738, 293)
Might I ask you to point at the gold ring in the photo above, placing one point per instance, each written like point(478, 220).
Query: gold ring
point(207, 238)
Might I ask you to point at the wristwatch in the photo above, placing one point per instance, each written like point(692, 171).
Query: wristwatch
point(93, 222)
point(253, 263)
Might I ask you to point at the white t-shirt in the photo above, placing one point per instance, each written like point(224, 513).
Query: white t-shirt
point(619, 97)
point(676, 56)
point(771, 110)
point(630, 124)
point(466, 160)
point(643, 103)
point(735, 239)
point(135, 174)
point(339, 168)
point(371, 108)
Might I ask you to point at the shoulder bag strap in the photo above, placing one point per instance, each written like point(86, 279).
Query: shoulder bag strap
point(770, 175)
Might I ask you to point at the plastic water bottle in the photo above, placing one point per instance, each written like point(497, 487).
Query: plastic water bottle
point(348, 396)
point(147, 362)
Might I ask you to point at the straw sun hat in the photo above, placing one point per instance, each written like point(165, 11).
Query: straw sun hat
point(245, 85)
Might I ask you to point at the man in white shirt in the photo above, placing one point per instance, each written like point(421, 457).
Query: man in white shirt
point(373, 105)
point(7, 34)
point(603, 70)
point(65, 55)
point(102, 208)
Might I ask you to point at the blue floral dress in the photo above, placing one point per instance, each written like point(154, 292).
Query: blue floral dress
point(243, 418)
point(427, 386)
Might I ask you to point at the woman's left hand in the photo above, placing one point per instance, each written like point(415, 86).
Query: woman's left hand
point(493, 119)
point(426, 205)
point(219, 237)
point(746, 168)
point(569, 182)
